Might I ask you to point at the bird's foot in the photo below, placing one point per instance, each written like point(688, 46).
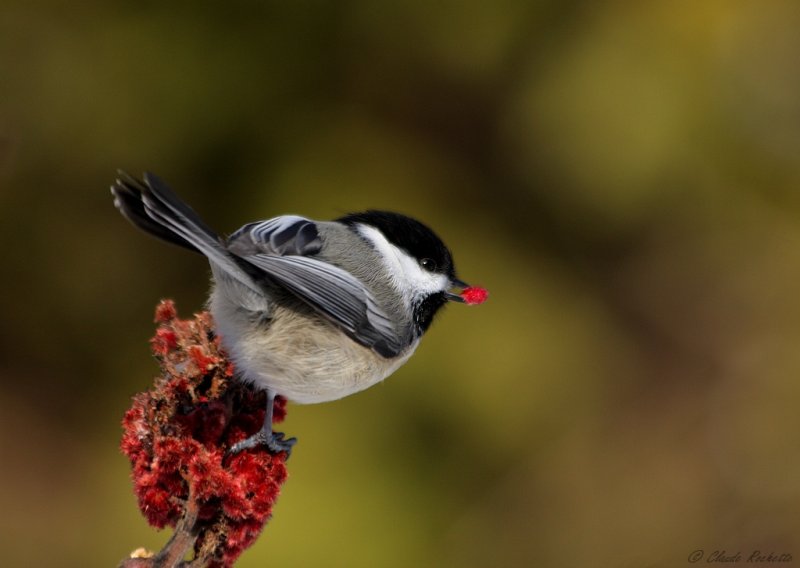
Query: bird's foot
point(272, 440)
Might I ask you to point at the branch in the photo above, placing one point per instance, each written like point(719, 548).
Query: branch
point(177, 435)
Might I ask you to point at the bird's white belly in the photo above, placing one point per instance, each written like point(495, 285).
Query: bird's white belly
point(298, 355)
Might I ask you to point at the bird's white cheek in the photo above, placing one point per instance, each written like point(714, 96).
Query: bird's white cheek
point(418, 281)
point(410, 279)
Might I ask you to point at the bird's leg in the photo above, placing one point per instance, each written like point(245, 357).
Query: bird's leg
point(273, 440)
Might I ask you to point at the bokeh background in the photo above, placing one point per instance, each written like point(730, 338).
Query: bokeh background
point(622, 176)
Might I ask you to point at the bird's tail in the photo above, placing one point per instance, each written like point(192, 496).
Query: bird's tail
point(154, 208)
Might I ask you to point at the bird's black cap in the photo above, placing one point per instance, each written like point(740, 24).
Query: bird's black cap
point(408, 234)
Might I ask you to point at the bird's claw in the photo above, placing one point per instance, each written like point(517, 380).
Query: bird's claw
point(274, 441)
point(277, 444)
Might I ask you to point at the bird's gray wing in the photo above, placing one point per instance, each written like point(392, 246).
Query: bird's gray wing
point(281, 236)
point(283, 248)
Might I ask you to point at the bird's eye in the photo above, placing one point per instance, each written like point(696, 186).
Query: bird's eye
point(428, 264)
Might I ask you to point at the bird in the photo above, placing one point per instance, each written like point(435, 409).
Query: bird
point(312, 311)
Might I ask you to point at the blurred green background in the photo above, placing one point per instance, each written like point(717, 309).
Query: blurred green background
point(623, 177)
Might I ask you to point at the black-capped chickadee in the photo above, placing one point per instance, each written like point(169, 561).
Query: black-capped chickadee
point(309, 310)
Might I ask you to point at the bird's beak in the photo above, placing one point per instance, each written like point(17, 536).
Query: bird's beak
point(456, 283)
